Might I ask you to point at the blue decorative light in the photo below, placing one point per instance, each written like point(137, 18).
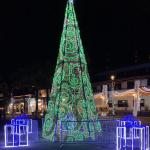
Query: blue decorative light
point(24, 120)
point(16, 133)
point(131, 134)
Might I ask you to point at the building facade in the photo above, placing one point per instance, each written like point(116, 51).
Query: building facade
point(128, 90)
point(32, 104)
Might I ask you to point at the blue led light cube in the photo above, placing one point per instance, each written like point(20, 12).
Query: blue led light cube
point(24, 120)
point(16, 135)
point(131, 134)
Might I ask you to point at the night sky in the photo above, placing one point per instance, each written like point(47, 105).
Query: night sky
point(114, 33)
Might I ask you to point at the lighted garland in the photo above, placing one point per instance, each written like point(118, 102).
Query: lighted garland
point(132, 92)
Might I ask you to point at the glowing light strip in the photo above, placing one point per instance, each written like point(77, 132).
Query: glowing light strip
point(146, 89)
point(20, 126)
point(147, 135)
point(23, 122)
point(19, 134)
point(137, 132)
point(123, 93)
point(119, 94)
point(142, 90)
point(100, 94)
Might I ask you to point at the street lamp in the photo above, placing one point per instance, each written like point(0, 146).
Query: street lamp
point(112, 77)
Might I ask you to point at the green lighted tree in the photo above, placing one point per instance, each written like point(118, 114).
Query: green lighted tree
point(71, 89)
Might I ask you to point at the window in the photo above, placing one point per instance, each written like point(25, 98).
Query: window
point(99, 88)
point(109, 87)
point(110, 103)
point(148, 82)
point(124, 85)
point(94, 89)
point(130, 85)
point(142, 102)
point(97, 109)
point(144, 82)
point(122, 103)
point(118, 86)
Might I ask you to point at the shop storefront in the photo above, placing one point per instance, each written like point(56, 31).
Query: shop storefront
point(27, 104)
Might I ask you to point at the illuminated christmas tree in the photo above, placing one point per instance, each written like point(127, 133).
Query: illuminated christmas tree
point(71, 96)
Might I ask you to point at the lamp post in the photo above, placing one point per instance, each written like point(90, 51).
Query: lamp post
point(112, 77)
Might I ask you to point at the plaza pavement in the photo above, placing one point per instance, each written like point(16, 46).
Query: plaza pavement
point(56, 146)
point(42, 144)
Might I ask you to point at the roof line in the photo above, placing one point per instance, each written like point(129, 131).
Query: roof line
point(134, 67)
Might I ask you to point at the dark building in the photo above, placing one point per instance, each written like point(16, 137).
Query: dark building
point(132, 72)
